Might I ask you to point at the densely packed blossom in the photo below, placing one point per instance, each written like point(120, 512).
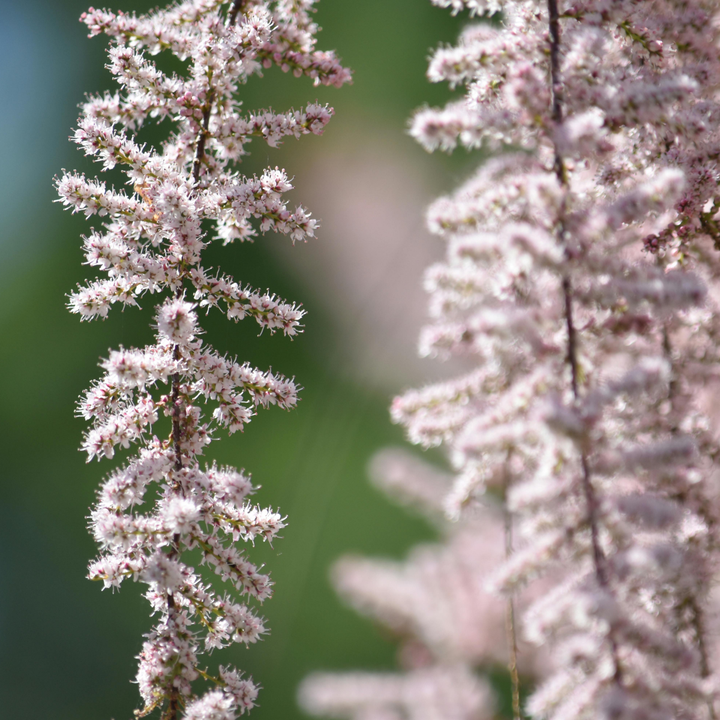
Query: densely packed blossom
point(580, 284)
point(149, 240)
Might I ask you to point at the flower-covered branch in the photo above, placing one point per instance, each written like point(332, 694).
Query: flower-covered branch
point(151, 241)
point(580, 283)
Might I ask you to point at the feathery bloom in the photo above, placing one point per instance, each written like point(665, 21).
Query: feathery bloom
point(149, 239)
point(583, 406)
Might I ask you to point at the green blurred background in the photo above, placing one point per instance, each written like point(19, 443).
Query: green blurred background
point(67, 650)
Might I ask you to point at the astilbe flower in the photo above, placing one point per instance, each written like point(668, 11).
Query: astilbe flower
point(150, 241)
point(590, 360)
point(435, 603)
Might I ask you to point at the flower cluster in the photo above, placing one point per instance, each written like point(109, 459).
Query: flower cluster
point(436, 605)
point(150, 240)
point(590, 359)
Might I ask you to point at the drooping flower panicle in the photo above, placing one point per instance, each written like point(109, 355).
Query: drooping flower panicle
point(584, 408)
point(150, 241)
point(434, 603)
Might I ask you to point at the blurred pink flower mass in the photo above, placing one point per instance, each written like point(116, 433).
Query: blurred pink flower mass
point(580, 285)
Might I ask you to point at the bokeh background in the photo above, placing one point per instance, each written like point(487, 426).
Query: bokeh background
point(67, 650)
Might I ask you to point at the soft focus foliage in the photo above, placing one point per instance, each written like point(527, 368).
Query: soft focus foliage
point(434, 602)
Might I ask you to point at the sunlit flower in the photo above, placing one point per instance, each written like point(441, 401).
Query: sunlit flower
point(150, 240)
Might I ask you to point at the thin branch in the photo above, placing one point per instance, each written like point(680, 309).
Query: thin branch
point(177, 410)
point(234, 10)
point(591, 501)
point(697, 621)
point(673, 385)
point(202, 135)
point(510, 625)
